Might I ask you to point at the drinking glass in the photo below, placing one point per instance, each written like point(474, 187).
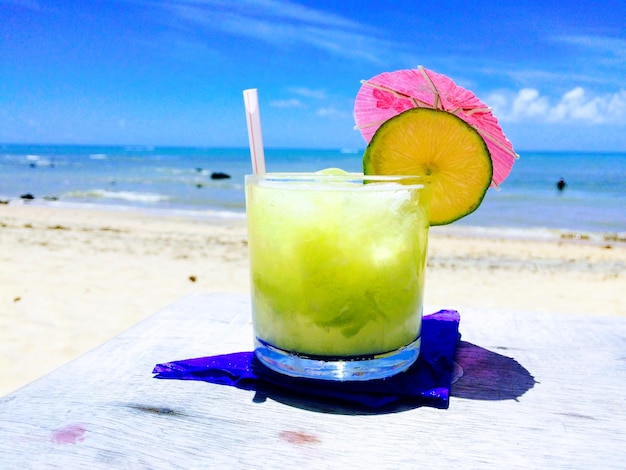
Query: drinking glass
point(337, 266)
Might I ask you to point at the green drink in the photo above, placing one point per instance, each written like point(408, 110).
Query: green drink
point(337, 272)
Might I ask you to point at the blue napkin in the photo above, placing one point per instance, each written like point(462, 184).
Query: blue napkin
point(426, 382)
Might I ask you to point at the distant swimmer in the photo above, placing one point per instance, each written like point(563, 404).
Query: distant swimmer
point(560, 185)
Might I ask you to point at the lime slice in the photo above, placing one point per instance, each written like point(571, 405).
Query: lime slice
point(438, 144)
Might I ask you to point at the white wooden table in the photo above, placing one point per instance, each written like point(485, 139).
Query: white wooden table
point(105, 409)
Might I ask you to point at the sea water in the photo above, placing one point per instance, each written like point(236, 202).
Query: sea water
point(180, 179)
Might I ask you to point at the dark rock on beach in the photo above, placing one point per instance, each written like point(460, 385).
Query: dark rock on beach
point(218, 175)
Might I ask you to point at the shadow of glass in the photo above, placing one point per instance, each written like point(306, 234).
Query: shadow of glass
point(330, 405)
point(484, 375)
point(479, 374)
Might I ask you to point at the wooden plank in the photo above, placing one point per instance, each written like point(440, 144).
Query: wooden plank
point(105, 410)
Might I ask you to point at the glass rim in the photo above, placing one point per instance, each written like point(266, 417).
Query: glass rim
point(313, 177)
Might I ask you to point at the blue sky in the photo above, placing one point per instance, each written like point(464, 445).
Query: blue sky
point(171, 72)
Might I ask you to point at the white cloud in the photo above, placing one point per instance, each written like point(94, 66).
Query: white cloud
point(574, 106)
point(611, 47)
point(529, 103)
point(304, 97)
point(331, 112)
point(269, 8)
point(282, 24)
point(308, 93)
point(290, 103)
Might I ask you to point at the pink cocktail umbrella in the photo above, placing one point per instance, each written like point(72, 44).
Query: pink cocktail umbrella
point(388, 94)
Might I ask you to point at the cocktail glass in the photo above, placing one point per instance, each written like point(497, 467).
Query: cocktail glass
point(337, 268)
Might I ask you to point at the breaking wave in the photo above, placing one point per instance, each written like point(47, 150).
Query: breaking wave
point(130, 196)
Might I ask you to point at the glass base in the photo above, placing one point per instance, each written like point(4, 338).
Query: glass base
point(351, 368)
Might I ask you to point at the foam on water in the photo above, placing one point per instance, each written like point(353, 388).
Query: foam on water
point(123, 195)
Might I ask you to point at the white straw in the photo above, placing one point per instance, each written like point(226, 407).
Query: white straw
point(253, 117)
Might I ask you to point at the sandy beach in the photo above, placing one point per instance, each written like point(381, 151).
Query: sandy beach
point(71, 279)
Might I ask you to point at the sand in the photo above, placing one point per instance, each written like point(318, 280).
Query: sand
point(70, 279)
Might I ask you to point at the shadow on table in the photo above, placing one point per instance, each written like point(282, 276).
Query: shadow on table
point(486, 375)
point(479, 374)
point(329, 405)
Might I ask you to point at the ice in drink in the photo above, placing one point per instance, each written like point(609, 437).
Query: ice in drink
point(337, 271)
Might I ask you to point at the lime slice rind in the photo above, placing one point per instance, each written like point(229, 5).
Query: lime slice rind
point(438, 144)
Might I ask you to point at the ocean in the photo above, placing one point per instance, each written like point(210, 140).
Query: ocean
point(179, 180)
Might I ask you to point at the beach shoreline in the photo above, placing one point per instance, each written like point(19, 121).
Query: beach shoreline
point(552, 233)
point(72, 278)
